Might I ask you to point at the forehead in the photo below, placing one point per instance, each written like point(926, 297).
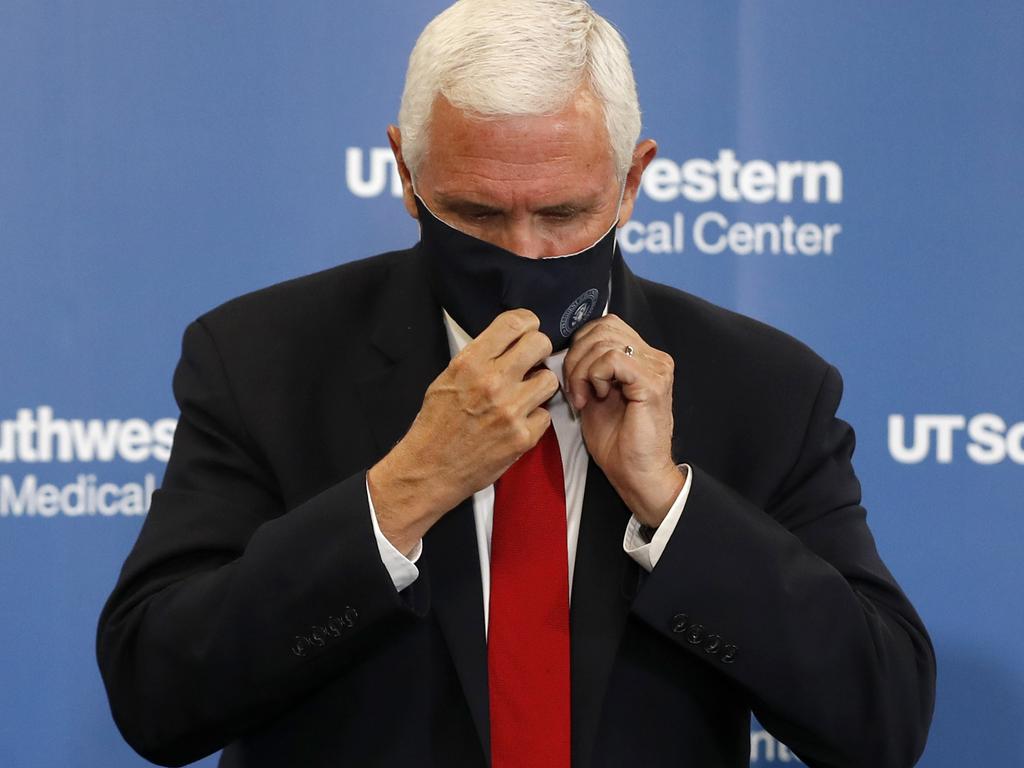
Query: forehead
point(535, 159)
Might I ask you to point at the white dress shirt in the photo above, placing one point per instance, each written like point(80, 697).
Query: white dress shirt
point(575, 461)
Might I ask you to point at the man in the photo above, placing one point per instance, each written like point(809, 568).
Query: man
point(358, 555)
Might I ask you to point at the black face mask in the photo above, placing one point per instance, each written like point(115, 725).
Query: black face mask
point(476, 281)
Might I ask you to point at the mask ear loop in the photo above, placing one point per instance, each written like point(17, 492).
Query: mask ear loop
point(614, 224)
point(618, 208)
point(416, 195)
point(428, 209)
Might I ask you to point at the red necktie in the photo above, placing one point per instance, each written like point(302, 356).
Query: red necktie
point(528, 624)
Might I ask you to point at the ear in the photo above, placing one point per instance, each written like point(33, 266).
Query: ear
point(395, 139)
point(642, 156)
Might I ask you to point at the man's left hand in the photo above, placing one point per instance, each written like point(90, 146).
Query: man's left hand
point(625, 402)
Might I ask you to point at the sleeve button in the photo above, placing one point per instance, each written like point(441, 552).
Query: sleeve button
point(712, 644)
point(300, 646)
point(679, 622)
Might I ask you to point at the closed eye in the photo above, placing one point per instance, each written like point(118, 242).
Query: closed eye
point(560, 213)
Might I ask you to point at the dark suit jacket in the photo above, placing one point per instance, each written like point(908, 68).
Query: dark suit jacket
point(254, 612)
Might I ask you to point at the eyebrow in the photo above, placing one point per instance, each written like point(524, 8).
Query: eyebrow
point(468, 207)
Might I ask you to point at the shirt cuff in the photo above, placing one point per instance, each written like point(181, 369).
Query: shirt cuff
point(646, 553)
point(402, 569)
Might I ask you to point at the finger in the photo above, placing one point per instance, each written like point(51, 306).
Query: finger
point(503, 331)
point(602, 326)
point(617, 367)
point(611, 368)
point(612, 335)
point(579, 347)
point(583, 348)
point(574, 370)
point(537, 424)
point(538, 388)
point(526, 352)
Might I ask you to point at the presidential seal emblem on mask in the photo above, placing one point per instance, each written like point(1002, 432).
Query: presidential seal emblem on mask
point(577, 313)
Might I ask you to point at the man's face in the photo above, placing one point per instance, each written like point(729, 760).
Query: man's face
point(536, 186)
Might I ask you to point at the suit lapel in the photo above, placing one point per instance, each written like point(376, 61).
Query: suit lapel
point(605, 578)
point(600, 603)
point(457, 598)
point(410, 349)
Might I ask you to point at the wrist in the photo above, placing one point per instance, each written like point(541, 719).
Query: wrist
point(402, 500)
point(651, 498)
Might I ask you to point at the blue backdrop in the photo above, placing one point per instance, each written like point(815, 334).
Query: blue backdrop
point(849, 172)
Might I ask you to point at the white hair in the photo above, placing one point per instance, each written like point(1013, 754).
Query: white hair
point(503, 58)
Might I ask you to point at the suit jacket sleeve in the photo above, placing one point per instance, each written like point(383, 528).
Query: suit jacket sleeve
point(793, 603)
point(227, 610)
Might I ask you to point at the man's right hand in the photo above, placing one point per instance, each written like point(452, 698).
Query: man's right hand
point(478, 417)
